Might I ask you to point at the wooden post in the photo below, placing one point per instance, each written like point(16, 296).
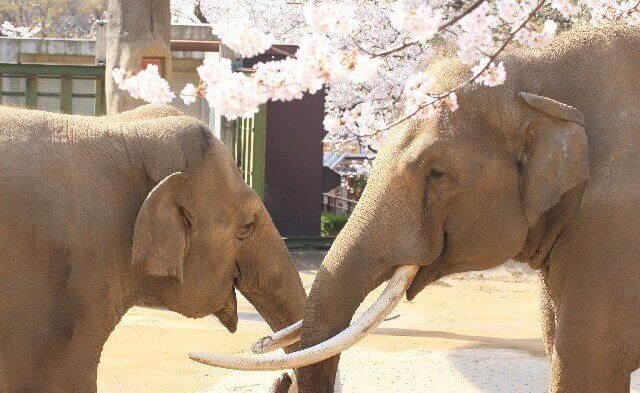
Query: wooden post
point(136, 30)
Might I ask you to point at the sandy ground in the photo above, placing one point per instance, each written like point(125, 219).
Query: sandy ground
point(473, 333)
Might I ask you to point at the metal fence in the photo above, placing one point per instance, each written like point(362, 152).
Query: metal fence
point(55, 88)
point(317, 243)
point(337, 205)
point(248, 149)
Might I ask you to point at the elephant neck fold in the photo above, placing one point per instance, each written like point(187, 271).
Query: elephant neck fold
point(544, 234)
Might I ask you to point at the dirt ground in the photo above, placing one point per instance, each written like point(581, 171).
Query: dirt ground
point(476, 333)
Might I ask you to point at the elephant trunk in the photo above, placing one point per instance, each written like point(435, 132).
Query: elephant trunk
point(349, 273)
point(323, 322)
point(268, 277)
point(228, 314)
point(381, 235)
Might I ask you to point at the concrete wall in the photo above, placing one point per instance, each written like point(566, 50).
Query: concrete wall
point(84, 51)
point(12, 49)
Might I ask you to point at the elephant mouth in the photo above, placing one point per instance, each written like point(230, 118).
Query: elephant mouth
point(401, 283)
point(426, 275)
point(390, 297)
point(432, 270)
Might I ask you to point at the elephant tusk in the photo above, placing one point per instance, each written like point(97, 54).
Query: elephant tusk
point(387, 301)
point(279, 339)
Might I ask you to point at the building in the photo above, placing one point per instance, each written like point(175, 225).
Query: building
point(87, 53)
point(279, 151)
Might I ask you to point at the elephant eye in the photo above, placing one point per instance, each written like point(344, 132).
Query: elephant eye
point(245, 230)
point(440, 181)
point(436, 174)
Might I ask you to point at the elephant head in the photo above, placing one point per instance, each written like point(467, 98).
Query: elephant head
point(202, 232)
point(460, 191)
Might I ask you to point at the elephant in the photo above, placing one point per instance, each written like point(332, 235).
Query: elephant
point(98, 214)
point(543, 169)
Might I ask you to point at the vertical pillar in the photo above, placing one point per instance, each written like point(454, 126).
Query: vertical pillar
point(31, 93)
point(100, 27)
point(135, 30)
point(66, 94)
point(100, 105)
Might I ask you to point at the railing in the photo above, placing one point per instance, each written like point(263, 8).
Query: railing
point(247, 142)
point(337, 205)
point(249, 149)
point(57, 88)
point(321, 243)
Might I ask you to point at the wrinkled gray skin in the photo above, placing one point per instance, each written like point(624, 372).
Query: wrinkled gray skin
point(98, 214)
point(505, 178)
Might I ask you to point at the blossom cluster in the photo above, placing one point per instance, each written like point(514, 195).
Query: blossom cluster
point(603, 11)
point(370, 56)
point(237, 94)
point(8, 29)
point(331, 18)
point(421, 23)
point(146, 85)
point(243, 38)
point(374, 53)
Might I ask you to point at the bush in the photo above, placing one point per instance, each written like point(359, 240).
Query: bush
point(331, 224)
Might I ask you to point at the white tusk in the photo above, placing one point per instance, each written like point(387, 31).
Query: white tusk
point(387, 301)
point(279, 339)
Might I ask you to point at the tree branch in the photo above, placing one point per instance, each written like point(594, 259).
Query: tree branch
point(440, 97)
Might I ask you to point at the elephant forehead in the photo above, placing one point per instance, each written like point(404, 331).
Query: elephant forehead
point(218, 188)
point(218, 171)
point(468, 144)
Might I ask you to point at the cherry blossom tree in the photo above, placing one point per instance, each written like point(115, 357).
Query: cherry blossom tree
point(370, 56)
point(50, 18)
point(9, 30)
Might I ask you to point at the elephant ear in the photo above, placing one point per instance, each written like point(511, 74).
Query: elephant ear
point(555, 154)
point(160, 234)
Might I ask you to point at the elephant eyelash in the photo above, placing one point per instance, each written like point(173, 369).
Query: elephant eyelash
point(436, 174)
point(246, 230)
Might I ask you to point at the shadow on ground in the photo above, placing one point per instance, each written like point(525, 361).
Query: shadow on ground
point(532, 346)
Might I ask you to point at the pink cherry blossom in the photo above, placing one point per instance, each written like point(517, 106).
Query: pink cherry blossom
point(565, 7)
point(214, 70)
point(491, 75)
point(8, 29)
point(247, 40)
point(235, 96)
point(118, 75)
point(146, 85)
point(331, 18)
point(421, 23)
point(189, 94)
point(370, 57)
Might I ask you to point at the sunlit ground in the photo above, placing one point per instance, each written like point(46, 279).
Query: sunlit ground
point(480, 333)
